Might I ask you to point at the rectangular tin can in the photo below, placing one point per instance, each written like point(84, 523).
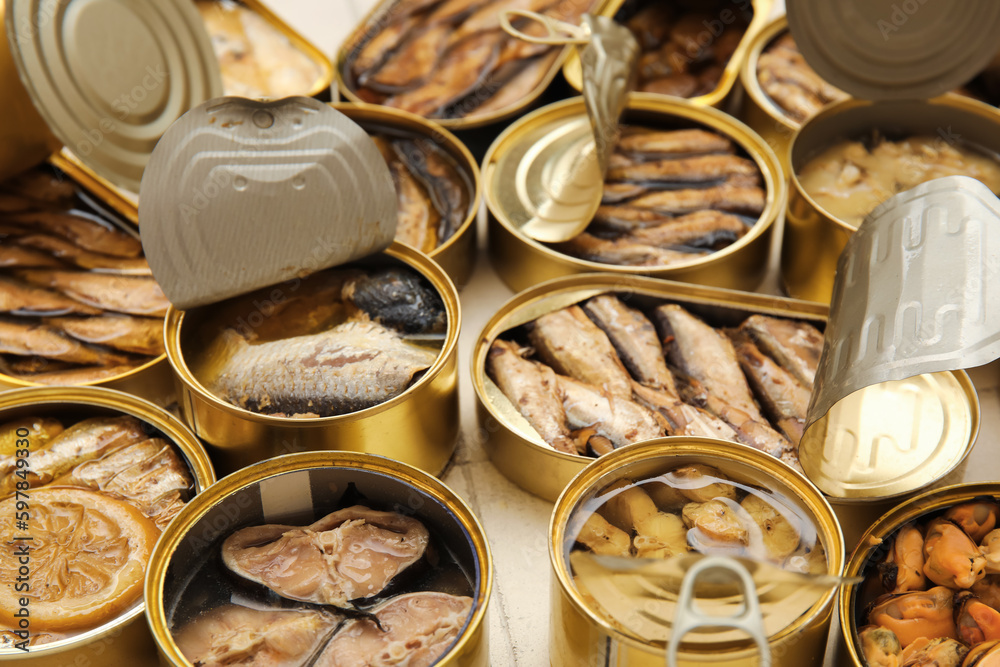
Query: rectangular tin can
point(580, 635)
point(293, 488)
point(126, 639)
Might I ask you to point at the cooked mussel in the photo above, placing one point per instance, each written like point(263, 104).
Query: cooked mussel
point(350, 554)
point(976, 622)
point(603, 538)
point(879, 646)
point(656, 534)
point(914, 615)
point(718, 520)
point(976, 517)
point(986, 654)
point(903, 568)
point(951, 558)
point(990, 548)
point(987, 590)
point(779, 535)
point(939, 652)
point(700, 483)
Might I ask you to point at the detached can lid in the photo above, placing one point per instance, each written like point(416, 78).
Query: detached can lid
point(109, 77)
point(242, 194)
point(896, 49)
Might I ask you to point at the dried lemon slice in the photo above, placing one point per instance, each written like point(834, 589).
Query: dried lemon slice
point(85, 561)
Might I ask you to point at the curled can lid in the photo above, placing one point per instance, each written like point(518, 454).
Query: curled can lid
point(242, 194)
point(896, 49)
point(915, 296)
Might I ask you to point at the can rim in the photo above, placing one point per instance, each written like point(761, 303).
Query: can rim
point(180, 436)
point(914, 507)
point(194, 510)
point(455, 148)
point(400, 251)
point(704, 447)
point(775, 184)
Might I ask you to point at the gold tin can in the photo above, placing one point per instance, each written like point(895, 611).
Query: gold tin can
point(523, 458)
point(374, 21)
point(723, 94)
point(813, 238)
point(152, 380)
point(581, 636)
point(419, 427)
point(872, 548)
point(298, 485)
point(125, 640)
point(457, 254)
point(522, 262)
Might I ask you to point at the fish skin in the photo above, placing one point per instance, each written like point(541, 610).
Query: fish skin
point(623, 251)
point(797, 103)
point(17, 256)
point(17, 365)
point(694, 169)
point(795, 345)
point(706, 355)
point(132, 295)
point(679, 84)
point(652, 142)
point(21, 298)
point(351, 367)
point(411, 63)
point(41, 430)
point(460, 72)
point(86, 232)
point(634, 338)
point(572, 345)
point(447, 185)
point(488, 17)
point(42, 186)
point(620, 420)
point(726, 197)
point(398, 298)
point(625, 218)
point(139, 335)
point(40, 340)
point(418, 219)
point(753, 431)
point(85, 440)
point(683, 418)
point(532, 388)
point(85, 259)
point(75, 376)
point(373, 53)
point(784, 399)
point(519, 84)
point(616, 193)
point(701, 229)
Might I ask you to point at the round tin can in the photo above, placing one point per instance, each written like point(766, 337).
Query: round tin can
point(457, 253)
point(580, 635)
point(125, 639)
point(723, 94)
point(874, 546)
point(513, 446)
point(418, 427)
point(296, 488)
point(813, 238)
point(522, 262)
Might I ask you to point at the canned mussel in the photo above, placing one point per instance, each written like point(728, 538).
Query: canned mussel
point(580, 366)
point(450, 60)
point(681, 496)
point(691, 194)
point(259, 54)
point(89, 479)
point(79, 303)
point(437, 185)
point(327, 559)
point(931, 590)
point(689, 50)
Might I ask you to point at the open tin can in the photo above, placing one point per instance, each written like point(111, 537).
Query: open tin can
point(581, 630)
point(522, 262)
point(456, 253)
point(710, 28)
point(878, 546)
point(187, 575)
point(126, 638)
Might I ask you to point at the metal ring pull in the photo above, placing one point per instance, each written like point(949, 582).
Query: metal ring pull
point(688, 616)
point(557, 32)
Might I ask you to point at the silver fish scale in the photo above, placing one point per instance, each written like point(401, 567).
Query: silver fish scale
point(351, 367)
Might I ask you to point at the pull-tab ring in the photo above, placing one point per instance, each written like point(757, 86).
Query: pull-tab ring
point(556, 32)
point(688, 617)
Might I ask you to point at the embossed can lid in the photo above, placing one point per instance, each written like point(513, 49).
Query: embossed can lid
point(109, 77)
point(913, 300)
point(241, 194)
point(896, 49)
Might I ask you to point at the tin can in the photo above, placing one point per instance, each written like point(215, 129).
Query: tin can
point(296, 488)
point(581, 635)
point(418, 427)
point(522, 262)
point(522, 457)
point(456, 254)
point(724, 94)
point(127, 638)
point(151, 380)
point(873, 547)
point(379, 18)
point(813, 238)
